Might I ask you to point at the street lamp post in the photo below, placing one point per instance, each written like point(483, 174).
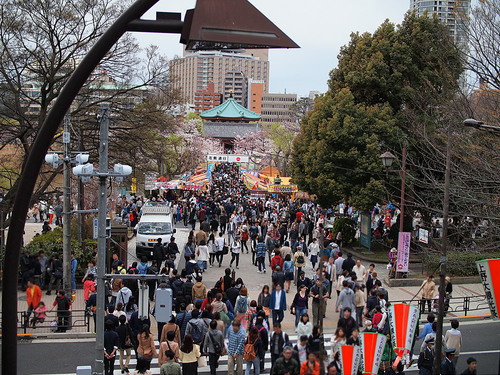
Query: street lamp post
point(212, 24)
point(387, 160)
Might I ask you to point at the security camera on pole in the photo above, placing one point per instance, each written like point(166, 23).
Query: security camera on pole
point(67, 160)
point(86, 172)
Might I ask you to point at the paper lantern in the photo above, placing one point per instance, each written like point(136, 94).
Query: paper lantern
point(350, 356)
point(372, 347)
point(403, 319)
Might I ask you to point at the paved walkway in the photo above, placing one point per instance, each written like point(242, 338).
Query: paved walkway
point(255, 282)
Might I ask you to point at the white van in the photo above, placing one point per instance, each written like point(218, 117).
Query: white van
point(156, 222)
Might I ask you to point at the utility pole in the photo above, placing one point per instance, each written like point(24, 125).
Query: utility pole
point(101, 233)
point(81, 190)
point(67, 209)
point(442, 273)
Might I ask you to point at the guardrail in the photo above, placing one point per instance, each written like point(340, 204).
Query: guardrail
point(461, 305)
point(75, 320)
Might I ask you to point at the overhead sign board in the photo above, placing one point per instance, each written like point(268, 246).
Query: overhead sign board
point(228, 158)
point(282, 188)
point(149, 183)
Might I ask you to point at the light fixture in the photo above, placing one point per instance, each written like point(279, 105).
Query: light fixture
point(387, 159)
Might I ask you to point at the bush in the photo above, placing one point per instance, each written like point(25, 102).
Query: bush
point(348, 228)
point(52, 243)
point(459, 264)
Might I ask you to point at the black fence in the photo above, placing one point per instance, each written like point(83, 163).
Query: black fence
point(78, 320)
point(455, 305)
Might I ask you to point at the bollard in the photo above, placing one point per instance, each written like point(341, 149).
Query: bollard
point(84, 370)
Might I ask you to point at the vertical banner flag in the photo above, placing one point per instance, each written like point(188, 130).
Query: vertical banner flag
point(372, 347)
point(403, 251)
point(489, 273)
point(210, 168)
point(350, 356)
point(403, 319)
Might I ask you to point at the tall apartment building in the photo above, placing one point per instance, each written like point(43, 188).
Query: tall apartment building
point(194, 71)
point(276, 107)
point(207, 99)
point(447, 11)
point(235, 86)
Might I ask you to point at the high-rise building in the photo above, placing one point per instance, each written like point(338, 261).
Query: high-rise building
point(450, 12)
point(235, 86)
point(276, 107)
point(195, 70)
point(207, 99)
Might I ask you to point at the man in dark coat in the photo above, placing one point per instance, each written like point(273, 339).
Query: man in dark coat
point(348, 264)
point(447, 366)
point(426, 358)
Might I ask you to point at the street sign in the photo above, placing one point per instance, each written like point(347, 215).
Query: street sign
point(228, 158)
point(96, 228)
point(149, 181)
point(423, 235)
point(66, 137)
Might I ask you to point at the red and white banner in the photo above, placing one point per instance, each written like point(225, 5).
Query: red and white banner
point(350, 356)
point(489, 273)
point(403, 319)
point(372, 347)
point(403, 251)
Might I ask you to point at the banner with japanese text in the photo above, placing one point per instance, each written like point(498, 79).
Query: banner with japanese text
point(372, 347)
point(489, 273)
point(403, 319)
point(403, 251)
point(350, 357)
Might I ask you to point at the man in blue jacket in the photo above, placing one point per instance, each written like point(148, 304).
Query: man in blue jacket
point(278, 303)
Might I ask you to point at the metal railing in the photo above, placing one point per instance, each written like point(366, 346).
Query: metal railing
point(460, 305)
point(75, 320)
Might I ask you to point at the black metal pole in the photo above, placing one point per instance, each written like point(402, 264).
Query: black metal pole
point(31, 170)
point(442, 273)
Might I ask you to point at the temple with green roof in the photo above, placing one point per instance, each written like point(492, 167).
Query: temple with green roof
point(228, 121)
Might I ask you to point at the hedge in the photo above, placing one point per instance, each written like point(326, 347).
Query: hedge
point(459, 264)
point(52, 243)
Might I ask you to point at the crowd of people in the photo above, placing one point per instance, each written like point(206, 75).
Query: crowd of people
point(309, 277)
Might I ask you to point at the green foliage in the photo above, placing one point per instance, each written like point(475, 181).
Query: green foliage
point(52, 243)
point(336, 153)
point(460, 264)
point(348, 228)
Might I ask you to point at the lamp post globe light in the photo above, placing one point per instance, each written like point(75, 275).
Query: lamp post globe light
point(212, 24)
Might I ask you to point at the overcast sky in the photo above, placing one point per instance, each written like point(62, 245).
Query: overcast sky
point(319, 27)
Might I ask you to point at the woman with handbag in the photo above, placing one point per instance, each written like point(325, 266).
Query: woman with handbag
point(169, 344)
point(146, 348)
point(125, 337)
point(189, 355)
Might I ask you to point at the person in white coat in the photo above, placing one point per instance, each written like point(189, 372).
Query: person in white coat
point(202, 253)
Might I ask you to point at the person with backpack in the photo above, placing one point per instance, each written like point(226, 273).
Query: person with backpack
point(235, 347)
point(125, 337)
point(241, 306)
point(254, 352)
point(278, 341)
point(260, 252)
point(299, 258)
point(196, 327)
point(213, 346)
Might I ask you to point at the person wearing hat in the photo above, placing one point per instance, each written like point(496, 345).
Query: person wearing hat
point(426, 357)
point(447, 366)
point(471, 367)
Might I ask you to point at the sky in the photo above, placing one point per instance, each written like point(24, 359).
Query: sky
point(319, 27)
